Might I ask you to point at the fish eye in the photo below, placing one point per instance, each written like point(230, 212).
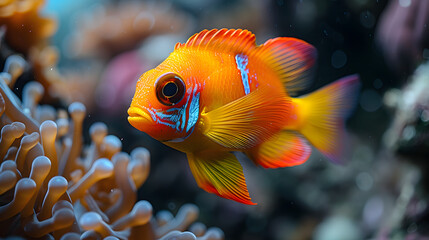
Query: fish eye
point(170, 89)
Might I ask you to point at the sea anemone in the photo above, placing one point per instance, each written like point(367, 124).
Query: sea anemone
point(52, 185)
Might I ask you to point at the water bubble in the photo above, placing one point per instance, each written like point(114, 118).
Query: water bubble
point(338, 59)
point(421, 206)
point(359, 3)
point(306, 12)
point(256, 224)
point(364, 181)
point(412, 228)
point(373, 211)
point(367, 19)
point(377, 83)
point(405, 3)
point(171, 205)
point(338, 37)
point(408, 133)
point(325, 32)
point(426, 53)
point(337, 227)
point(370, 100)
point(425, 116)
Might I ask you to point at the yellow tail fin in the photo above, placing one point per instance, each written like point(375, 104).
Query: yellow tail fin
point(323, 112)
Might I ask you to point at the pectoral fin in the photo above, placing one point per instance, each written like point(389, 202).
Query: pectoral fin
point(247, 121)
point(221, 174)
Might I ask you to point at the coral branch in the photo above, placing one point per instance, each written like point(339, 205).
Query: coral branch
point(10, 165)
point(57, 186)
point(48, 134)
point(139, 166)
point(8, 134)
point(24, 191)
point(61, 218)
point(12, 108)
point(14, 65)
point(31, 95)
point(141, 214)
point(27, 143)
point(101, 169)
point(93, 221)
point(177, 235)
point(128, 191)
point(7, 181)
point(39, 170)
point(77, 111)
point(97, 131)
point(48, 177)
point(186, 215)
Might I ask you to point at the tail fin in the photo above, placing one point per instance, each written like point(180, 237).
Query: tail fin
point(324, 112)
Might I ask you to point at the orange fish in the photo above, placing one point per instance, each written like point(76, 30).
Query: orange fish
point(219, 92)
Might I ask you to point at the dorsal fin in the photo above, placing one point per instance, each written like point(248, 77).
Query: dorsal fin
point(293, 60)
point(230, 40)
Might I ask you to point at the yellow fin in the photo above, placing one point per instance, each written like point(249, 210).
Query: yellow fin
point(247, 121)
point(221, 174)
point(285, 149)
point(323, 112)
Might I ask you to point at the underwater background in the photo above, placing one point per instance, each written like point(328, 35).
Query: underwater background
point(381, 191)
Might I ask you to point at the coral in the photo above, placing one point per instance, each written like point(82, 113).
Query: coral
point(110, 29)
point(69, 85)
point(28, 32)
point(409, 132)
point(25, 28)
point(53, 186)
point(118, 27)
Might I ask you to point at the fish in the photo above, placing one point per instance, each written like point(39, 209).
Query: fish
point(220, 93)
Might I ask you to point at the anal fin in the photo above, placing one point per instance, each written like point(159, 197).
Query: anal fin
point(221, 174)
point(285, 149)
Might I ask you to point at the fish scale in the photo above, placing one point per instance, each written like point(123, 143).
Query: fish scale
point(237, 97)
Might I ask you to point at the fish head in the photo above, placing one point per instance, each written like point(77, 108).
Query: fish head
point(165, 105)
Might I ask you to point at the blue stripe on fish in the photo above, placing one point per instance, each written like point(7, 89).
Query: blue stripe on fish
point(184, 115)
point(176, 117)
point(194, 110)
point(242, 61)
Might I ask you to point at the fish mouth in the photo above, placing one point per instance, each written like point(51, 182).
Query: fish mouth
point(138, 116)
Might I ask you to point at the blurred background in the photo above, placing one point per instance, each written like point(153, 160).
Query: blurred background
point(381, 190)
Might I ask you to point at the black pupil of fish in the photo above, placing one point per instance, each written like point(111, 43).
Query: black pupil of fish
point(170, 89)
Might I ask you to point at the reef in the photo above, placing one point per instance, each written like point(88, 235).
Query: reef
point(408, 134)
point(65, 175)
point(25, 27)
point(52, 185)
point(110, 29)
